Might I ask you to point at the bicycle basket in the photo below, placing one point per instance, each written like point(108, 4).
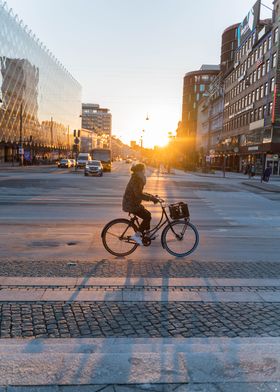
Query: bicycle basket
point(179, 210)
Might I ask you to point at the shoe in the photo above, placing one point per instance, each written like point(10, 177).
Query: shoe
point(137, 238)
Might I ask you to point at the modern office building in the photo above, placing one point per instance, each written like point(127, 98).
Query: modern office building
point(196, 83)
point(228, 47)
point(251, 129)
point(99, 121)
point(96, 118)
point(40, 101)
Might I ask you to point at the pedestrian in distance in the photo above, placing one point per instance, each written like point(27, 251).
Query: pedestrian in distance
point(267, 174)
point(133, 197)
point(251, 171)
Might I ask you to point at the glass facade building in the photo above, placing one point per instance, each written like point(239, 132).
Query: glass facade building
point(40, 102)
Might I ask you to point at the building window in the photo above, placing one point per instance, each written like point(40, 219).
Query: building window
point(266, 89)
point(275, 35)
point(253, 96)
point(267, 66)
point(259, 73)
point(263, 69)
point(255, 56)
point(264, 111)
point(202, 88)
point(256, 115)
point(272, 83)
point(261, 92)
point(265, 47)
point(249, 98)
point(260, 113)
point(254, 76)
point(257, 94)
point(274, 60)
point(269, 112)
point(252, 116)
point(269, 43)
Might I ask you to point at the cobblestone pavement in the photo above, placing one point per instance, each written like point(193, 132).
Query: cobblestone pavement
point(190, 387)
point(130, 268)
point(174, 319)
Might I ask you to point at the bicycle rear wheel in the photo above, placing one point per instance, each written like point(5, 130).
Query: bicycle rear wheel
point(116, 237)
point(180, 238)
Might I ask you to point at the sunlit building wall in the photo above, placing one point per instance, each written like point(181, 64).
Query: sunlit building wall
point(196, 83)
point(39, 100)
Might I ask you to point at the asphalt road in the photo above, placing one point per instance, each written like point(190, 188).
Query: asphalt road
point(54, 214)
point(80, 318)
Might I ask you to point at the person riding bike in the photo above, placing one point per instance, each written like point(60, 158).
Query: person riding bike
point(133, 197)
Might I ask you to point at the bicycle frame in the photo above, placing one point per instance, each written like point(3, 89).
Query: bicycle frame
point(163, 221)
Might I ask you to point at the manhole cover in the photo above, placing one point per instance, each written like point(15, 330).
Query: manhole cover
point(45, 244)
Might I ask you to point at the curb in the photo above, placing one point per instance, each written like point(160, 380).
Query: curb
point(268, 187)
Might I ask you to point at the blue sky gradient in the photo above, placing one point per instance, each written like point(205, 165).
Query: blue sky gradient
point(131, 55)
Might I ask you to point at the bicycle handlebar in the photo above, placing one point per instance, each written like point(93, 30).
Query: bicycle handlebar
point(160, 200)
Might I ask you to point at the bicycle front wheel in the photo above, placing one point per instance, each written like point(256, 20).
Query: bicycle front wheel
point(180, 238)
point(116, 237)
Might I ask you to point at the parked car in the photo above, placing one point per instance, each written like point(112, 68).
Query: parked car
point(128, 160)
point(94, 168)
point(64, 163)
point(73, 162)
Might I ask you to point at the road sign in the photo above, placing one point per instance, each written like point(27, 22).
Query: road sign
point(76, 140)
point(21, 151)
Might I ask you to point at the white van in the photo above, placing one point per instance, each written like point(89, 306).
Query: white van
point(83, 157)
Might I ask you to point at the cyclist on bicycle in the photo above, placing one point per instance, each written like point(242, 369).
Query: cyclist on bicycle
point(133, 197)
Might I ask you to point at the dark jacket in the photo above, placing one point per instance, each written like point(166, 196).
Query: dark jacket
point(134, 193)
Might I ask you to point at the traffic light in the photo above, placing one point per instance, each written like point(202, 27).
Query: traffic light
point(79, 133)
point(74, 132)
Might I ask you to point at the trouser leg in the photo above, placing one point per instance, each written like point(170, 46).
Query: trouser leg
point(144, 214)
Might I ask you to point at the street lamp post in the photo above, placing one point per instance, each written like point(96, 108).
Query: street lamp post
point(21, 152)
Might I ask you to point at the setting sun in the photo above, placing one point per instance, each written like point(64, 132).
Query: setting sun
point(152, 132)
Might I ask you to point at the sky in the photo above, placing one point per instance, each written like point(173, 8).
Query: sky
point(131, 55)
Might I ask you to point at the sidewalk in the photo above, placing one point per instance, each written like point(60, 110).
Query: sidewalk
point(231, 323)
point(120, 365)
point(272, 186)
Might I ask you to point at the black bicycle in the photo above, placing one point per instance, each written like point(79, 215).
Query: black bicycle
point(179, 236)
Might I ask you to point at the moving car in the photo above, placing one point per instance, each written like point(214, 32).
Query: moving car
point(64, 163)
point(73, 162)
point(83, 158)
point(94, 168)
